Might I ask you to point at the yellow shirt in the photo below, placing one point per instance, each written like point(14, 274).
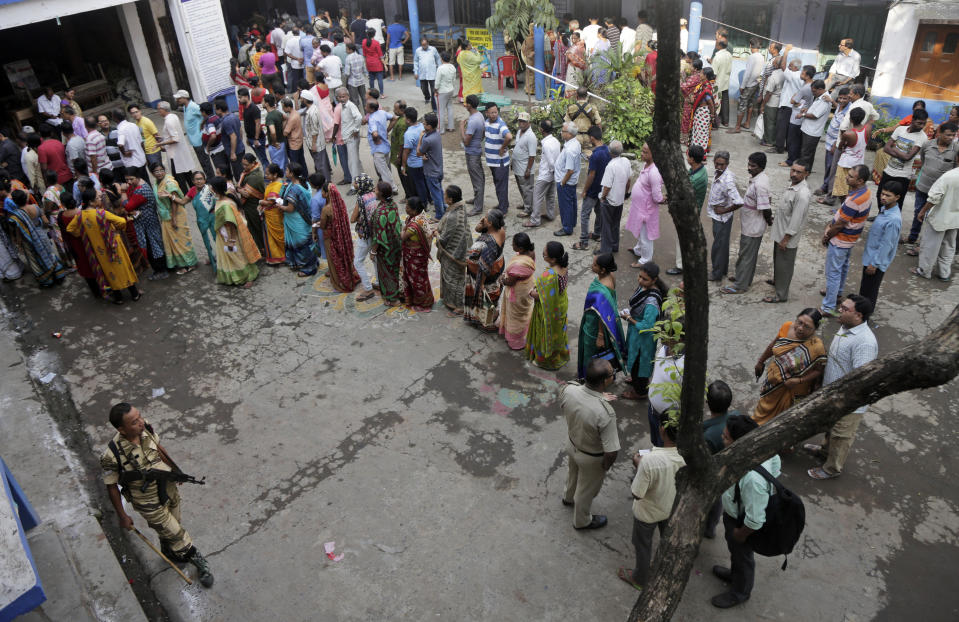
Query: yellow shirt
point(149, 131)
point(655, 484)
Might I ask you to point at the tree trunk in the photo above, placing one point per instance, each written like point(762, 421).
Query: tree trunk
point(931, 362)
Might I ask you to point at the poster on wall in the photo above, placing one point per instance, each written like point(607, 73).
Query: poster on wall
point(205, 31)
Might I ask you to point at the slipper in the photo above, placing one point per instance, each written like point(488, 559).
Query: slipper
point(734, 131)
point(366, 296)
point(636, 264)
point(821, 473)
point(248, 285)
point(784, 165)
point(828, 312)
point(912, 252)
point(580, 246)
point(626, 576)
point(137, 297)
point(915, 272)
point(731, 290)
point(303, 274)
point(822, 292)
point(773, 299)
point(529, 224)
point(454, 314)
point(770, 282)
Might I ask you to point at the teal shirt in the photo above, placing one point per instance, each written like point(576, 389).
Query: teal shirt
point(700, 181)
point(713, 431)
point(754, 491)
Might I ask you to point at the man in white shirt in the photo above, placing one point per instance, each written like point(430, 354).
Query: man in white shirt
point(332, 68)
point(524, 154)
point(544, 188)
point(756, 214)
point(722, 66)
point(814, 121)
point(853, 346)
point(857, 94)
point(846, 66)
point(723, 200)
point(48, 105)
point(749, 86)
point(350, 120)
point(792, 82)
point(175, 142)
point(377, 25)
point(591, 34)
point(294, 55)
point(771, 98)
point(130, 143)
point(614, 183)
point(277, 36)
point(627, 36)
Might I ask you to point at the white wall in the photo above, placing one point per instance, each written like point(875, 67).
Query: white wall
point(896, 50)
point(33, 11)
point(139, 55)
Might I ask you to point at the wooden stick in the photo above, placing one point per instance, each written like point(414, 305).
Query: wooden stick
point(157, 551)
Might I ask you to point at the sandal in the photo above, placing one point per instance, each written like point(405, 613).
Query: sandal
point(363, 298)
point(137, 297)
point(821, 473)
point(912, 252)
point(636, 264)
point(729, 289)
point(773, 299)
point(454, 313)
point(626, 576)
point(580, 246)
point(303, 274)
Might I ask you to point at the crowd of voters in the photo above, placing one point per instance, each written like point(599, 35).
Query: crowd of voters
point(97, 197)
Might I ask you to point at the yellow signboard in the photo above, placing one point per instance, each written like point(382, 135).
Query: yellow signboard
point(480, 37)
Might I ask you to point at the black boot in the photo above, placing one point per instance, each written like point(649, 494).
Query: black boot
point(202, 568)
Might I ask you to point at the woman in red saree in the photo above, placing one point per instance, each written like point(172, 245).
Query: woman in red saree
point(337, 240)
point(648, 75)
point(693, 89)
point(417, 239)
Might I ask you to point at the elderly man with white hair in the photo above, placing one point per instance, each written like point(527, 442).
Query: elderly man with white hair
point(177, 146)
point(349, 126)
point(566, 175)
point(613, 195)
point(193, 124)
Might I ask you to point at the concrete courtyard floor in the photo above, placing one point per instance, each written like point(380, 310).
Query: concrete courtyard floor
point(433, 456)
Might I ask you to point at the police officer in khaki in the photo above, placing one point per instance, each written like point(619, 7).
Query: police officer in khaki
point(593, 441)
point(134, 450)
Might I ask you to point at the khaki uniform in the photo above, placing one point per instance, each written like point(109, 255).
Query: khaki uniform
point(163, 518)
point(591, 423)
point(584, 114)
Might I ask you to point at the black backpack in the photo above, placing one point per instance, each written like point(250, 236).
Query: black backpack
point(785, 520)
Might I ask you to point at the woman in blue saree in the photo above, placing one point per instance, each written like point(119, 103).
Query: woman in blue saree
point(600, 330)
point(31, 239)
point(644, 309)
point(297, 223)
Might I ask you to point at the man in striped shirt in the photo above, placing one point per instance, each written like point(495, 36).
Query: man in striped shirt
point(842, 234)
point(97, 158)
point(498, 138)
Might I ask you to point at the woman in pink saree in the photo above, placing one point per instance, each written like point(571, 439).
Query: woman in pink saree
point(518, 281)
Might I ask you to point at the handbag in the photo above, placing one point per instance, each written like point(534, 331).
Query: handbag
point(488, 313)
point(760, 128)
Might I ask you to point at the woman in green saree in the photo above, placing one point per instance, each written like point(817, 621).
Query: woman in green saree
point(600, 330)
point(546, 344)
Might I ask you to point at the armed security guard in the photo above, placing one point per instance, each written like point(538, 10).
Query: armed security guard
point(584, 114)
point(148, 478)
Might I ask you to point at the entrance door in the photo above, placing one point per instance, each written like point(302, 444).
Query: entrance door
point(934, 61)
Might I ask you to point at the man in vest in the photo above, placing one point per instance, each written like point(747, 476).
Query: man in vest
point(133, 466)
point(583, 114)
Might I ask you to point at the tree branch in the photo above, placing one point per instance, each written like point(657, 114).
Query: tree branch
point(931, 362)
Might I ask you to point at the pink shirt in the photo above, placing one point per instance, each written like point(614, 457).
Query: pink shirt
point(647, 194)
point(268, 63)
point(336, 121)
